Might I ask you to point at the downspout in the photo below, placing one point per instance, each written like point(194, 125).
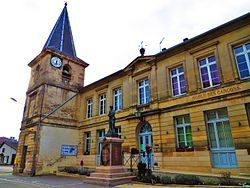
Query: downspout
point(33, 168)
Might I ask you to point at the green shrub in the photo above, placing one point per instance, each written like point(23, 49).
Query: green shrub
point(85, 171)
point(187, 179)
point(211, 181)
point(146, 179)
point(155, 179)
point(70, 169)
point(165, 180)
point(61, 169)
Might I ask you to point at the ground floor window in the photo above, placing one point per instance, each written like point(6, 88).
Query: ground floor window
point(101, 135)
point(248, 112)
point(220, 139)
point(87, 143)
point(118, 132)
point(183, 133)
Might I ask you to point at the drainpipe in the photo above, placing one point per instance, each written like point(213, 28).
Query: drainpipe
point(33, 168)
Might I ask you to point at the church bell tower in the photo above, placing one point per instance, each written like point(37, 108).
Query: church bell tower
point(56, 76)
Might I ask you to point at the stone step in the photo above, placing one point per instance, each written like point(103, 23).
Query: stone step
point(110, 175)
point(110, 169)
point(245, 174)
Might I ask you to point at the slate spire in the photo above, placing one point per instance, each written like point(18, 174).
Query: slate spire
point(61, 38)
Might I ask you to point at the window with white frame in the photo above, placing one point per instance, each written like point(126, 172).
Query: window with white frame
point(143, 92)
point(118, 131)
point(89, 108)
point(87, 143)
point(220, 139)
point(242, 56)
point(219, 129)
point(209, 72)
point(102, 106)
point(178, 81)
point(101, 135)
point(117, 99)
point(183, 132)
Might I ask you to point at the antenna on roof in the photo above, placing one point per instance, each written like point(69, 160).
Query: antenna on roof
point(161, 42)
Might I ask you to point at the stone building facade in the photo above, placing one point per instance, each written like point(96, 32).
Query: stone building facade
point(190, 103)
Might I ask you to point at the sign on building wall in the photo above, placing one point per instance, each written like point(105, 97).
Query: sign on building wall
point(68, 150)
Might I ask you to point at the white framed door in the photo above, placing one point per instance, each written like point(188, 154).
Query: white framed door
point(101, 135)
point(145, 138)
point(220, 139)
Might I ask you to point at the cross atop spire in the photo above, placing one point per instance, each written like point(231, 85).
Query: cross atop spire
point(61, 38)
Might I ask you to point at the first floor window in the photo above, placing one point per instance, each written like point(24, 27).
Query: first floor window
point(183, 132)
point(102, 107)
point(143, 91)
point(178, 81)
point(89, 108)
point(117, 99)
point(209, 72)
point(87, 143)
point(242, 56)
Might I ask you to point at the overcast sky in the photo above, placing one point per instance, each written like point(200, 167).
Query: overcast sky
point(106, 33)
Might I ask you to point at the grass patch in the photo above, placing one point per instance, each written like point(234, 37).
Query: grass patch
point(2, 173)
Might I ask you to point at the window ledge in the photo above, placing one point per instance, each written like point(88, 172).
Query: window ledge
point(184, 149)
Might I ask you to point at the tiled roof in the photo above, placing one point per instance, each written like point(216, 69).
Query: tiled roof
point(2, 139)
point(10, 142)
point(60, 38)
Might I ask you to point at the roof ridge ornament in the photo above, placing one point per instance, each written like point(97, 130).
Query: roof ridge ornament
point(65, 3)
point(142, 49)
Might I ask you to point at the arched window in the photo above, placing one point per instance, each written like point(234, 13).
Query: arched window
point(145, 128)
point(66, 72)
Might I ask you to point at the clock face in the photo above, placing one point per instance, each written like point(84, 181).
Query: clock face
point(56, 62)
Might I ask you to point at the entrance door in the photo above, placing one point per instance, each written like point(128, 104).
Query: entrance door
point(13, 159)
point(221, 141)
point(145, 138)
point(101, 135)
point(23, 160)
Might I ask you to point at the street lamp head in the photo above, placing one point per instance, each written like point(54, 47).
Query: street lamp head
point(13, 99)
point(137, 113)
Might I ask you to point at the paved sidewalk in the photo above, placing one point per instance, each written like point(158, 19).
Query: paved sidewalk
point(142, 185)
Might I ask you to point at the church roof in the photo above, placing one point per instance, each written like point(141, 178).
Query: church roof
point(61, 38)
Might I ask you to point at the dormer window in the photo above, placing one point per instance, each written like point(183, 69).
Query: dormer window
point(66, 73)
